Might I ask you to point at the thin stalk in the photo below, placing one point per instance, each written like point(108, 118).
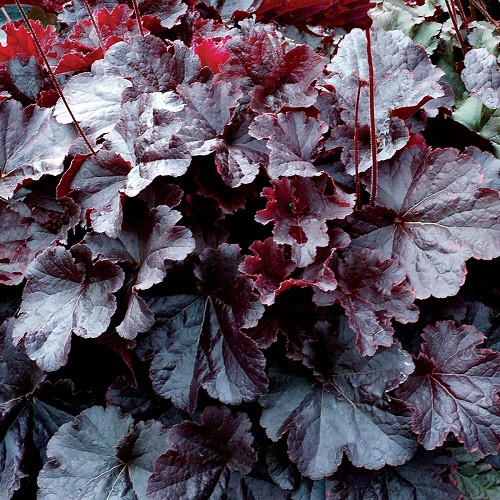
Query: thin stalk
point(373, 134)
point(5, 13)
point(53, 77)
point(356, 148)
point(453, 15)
point(138, 17)
point(481, 8)
point(462, 15)
point(96, 27)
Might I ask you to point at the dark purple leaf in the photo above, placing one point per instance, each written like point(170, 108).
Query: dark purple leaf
point(62, 297)
point(197, 339)
point(14, 252)
point(427, 475)
point(433, 215)
point(151, 64)
point(28, 413)
point(96, 183)
point(344, 410)
point(209, 459)
point(169, 12)
point(299, 208)
point(35, 147)
point(146, 136)
point(370, 291)
point(295, 141)
point(454, 389)
point(207, 111)
point(101, 454)
point(144, 243)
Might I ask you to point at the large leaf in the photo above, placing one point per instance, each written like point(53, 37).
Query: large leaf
point(29, 415)
point(404, 80)
point(371, 296)
point(209, 459)
point(146, 136)
point(35, 147)
point(433, 215)
point(272, 76)
point(344, 409)
point(197, 339)
point(454, 389)
point(207, 112)
point(101, 454)
point(62, 297)
point(150, 64)
point(427, 475)
point(145, 243)
point(95, 101)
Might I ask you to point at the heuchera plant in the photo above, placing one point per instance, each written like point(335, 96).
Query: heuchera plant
point(247, 250)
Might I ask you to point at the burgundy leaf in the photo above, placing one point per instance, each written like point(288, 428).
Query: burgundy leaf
point(167, 14)
point(239, 156)
point(19, 376)
point(50, 220)
point(369, 289)
point(145, 243)
point(433, 215)
point(62, 297)
point(299, 208)
point(345, 13)
point(101, 454)
point(275, 272)
point(205, 115)
point(454, 389)
point(272, 77)
point(426, 475)
point(14, 252)
point(344, 409)
point(35, 147)
point(146, 136)
point(481, 76)
point(209, 459)
point(97, 184)
point(295, 141)
point(197, 340)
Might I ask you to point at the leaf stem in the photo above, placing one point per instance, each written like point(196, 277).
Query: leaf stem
point(373, 135)
point(462, 15)
point(53, 76)
point(138, 17)
point(6, 14)
point(96, 27)
point(356, 148)
point(453, 15)
point(481, 8)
